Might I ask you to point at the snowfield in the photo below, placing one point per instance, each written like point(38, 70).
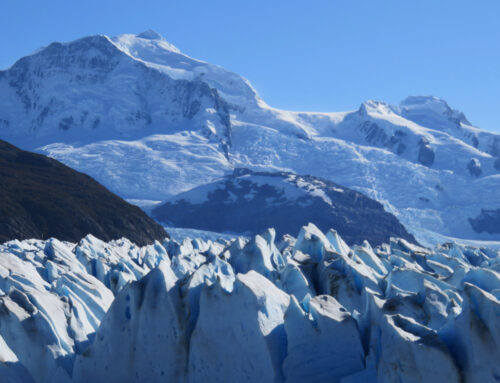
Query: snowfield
point(149, 122)
point(300, 309)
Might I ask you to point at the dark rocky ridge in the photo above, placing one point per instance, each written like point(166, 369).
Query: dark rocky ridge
point(497, 164)
point(425, 154)
point(43, 198)
point(474, 167)
point(250, 202)
point(488, 221)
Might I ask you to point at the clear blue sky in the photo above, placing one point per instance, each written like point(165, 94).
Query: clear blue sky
point(321, 55)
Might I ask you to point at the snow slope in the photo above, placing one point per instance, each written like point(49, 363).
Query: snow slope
point(149, 122)
point(300, 309)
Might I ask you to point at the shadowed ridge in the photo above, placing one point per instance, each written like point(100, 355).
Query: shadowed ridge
point(43, 198)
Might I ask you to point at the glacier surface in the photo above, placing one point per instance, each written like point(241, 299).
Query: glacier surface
point(309, 308)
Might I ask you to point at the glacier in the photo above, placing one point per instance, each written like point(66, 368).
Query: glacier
point(150, 122)
point(306, 308)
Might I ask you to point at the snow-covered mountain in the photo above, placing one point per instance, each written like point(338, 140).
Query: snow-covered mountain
point(250, 202)
point(150, 122)
point(300, 309)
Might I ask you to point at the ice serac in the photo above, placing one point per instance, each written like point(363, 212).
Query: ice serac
point(54, 294)
point(245, 327)
point(475, 337)
point(412, 353)
point(119, 262)
point(309, 308)
point(50, 307)
point(323, 345)
point(11, 370)
point(142, 338)
point(256, 256)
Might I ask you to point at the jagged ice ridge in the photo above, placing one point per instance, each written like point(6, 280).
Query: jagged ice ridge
point(299, 309)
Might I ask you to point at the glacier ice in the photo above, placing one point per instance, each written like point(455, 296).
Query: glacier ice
point(309, 308)
point(142, 338)
point(323, 344)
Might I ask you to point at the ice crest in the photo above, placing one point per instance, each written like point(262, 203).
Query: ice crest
point(150, 35)
point(308, 309)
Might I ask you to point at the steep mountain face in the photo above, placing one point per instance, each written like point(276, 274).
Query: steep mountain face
point(182, 123)
point(43, 198)
point(91, 90)
point(250, 202)
point(305, 309)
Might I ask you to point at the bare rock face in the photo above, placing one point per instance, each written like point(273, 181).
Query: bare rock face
point(488, 221)
point(474, 167)
point(43, 198)
point(497, 164)
point(250, 202)
point(426, 153)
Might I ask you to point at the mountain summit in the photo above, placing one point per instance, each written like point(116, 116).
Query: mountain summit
point(420, 108)
point(150, 35)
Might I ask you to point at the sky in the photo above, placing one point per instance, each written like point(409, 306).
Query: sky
point(316, 55)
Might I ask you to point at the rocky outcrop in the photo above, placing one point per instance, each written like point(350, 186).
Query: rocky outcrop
point(488, 221)
point(43, 198)
point(377, 136)
point(497, 164)
point(425, 153)
point(474, 167)
point(249, 202)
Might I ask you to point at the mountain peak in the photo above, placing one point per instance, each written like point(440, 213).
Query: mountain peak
point(373, 106)
point(146, 42)
point(428, 102)
point(434, 105)
point(150, 35)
